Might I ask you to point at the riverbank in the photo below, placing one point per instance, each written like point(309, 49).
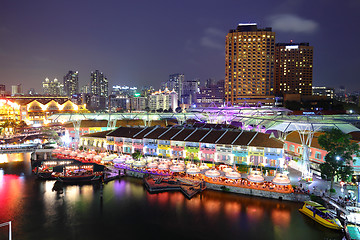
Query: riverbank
point(294, 197)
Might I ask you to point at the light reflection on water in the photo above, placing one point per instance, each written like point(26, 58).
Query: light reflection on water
point(38, 211)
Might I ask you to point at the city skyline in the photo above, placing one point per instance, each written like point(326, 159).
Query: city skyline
point(143, 43)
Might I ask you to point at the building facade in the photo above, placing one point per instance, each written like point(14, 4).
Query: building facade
point(213, 92)
point(293, 69)
point(209, 145)
point(323, 91)
point(16, 90)
point(249, 65)
point(190, 89)
point(175, 82)
point(71, 83)
point(53, 87)
point(164, 100)
point(99, 89)
point(2, 90)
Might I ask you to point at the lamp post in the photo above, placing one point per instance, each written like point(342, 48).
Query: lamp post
point(7, 223)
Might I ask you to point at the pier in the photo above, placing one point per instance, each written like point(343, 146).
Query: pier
point(162, 184)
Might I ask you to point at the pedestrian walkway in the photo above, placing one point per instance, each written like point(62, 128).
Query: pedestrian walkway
point(319, 186)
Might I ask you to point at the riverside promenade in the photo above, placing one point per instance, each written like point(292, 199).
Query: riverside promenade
point(221, 186)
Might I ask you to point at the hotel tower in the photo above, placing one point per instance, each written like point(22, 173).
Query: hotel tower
point(249, 65)
point(293, 69)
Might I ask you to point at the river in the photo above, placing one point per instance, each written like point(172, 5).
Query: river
point(127, 210)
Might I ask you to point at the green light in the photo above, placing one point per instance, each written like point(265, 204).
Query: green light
point(137, 95)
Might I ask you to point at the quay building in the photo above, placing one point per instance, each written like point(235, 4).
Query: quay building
point(229, 146)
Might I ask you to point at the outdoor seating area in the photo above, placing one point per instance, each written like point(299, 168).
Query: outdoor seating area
point(83, 156)
point(223, 175)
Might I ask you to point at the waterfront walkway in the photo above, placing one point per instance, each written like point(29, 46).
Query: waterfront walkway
point(161, 184)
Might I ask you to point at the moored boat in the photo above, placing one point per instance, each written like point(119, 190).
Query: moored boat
point(76, 173)
point(352, 232)
point(320, 214)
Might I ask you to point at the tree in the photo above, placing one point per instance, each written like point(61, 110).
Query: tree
point(136, 155)
point(340, 150)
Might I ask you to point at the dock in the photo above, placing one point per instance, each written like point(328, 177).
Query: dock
point(112, 173)
point(162, 184)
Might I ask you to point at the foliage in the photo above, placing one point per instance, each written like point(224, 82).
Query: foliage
point(136, 155)
point(340, 150)
point(332, 190)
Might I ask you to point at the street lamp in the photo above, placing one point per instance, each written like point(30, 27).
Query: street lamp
point(337, 158)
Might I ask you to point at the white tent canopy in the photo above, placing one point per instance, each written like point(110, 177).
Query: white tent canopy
point(289, 126)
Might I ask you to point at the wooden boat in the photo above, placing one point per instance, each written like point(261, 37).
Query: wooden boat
point(43, 169)
point(320, 214)
point(77, 173)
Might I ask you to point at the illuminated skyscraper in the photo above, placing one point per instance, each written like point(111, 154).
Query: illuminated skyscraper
point(249, 65)
point(175, 82)
point(71, 83)
point(293, 69)
point(99, 84)
point(99, 90)
point(53, 88)
point(2, 90)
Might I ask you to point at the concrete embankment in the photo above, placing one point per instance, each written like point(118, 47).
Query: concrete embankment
point(259, 193)
point(295, 197)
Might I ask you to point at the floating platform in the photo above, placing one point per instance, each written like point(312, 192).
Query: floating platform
point(162, 184)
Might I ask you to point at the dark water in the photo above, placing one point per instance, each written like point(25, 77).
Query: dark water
point(127, 210)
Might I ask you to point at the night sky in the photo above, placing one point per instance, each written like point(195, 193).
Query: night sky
point(141, 42)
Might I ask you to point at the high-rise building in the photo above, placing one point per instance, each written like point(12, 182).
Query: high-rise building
point(53, 88)
point(249, 65)
point(99, 84)
point(293, 69)
point(16, 90)
point(85, 89)
point(323, 91)
point(213, 92)
point(175, 82)
point(99, 89)
point(71, 83)
point(190, 89)
point(164, 100)
point(2, 90)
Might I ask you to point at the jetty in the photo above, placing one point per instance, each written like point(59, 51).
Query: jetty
point(162, 184)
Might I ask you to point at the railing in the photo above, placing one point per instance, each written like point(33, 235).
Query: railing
point(7, 223)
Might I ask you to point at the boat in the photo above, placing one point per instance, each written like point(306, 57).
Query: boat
point(43, 169)
point(352, 232)
point(78, 172)
point(320, 214)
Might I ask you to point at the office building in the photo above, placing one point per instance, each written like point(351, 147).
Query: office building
point(2, 90)
point(293, 69)
point(99, 89)
point(163, 100)
point(99, 84)
point(190, 89)
point(249, 65)
point(71, 83)
point(323, 91)
point(213, 92)
point(53, 87)
point(175, 82)
point(16, 90)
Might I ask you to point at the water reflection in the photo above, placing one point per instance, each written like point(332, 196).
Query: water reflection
point(11, 190)
point(281, 217)
point(126, 208)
